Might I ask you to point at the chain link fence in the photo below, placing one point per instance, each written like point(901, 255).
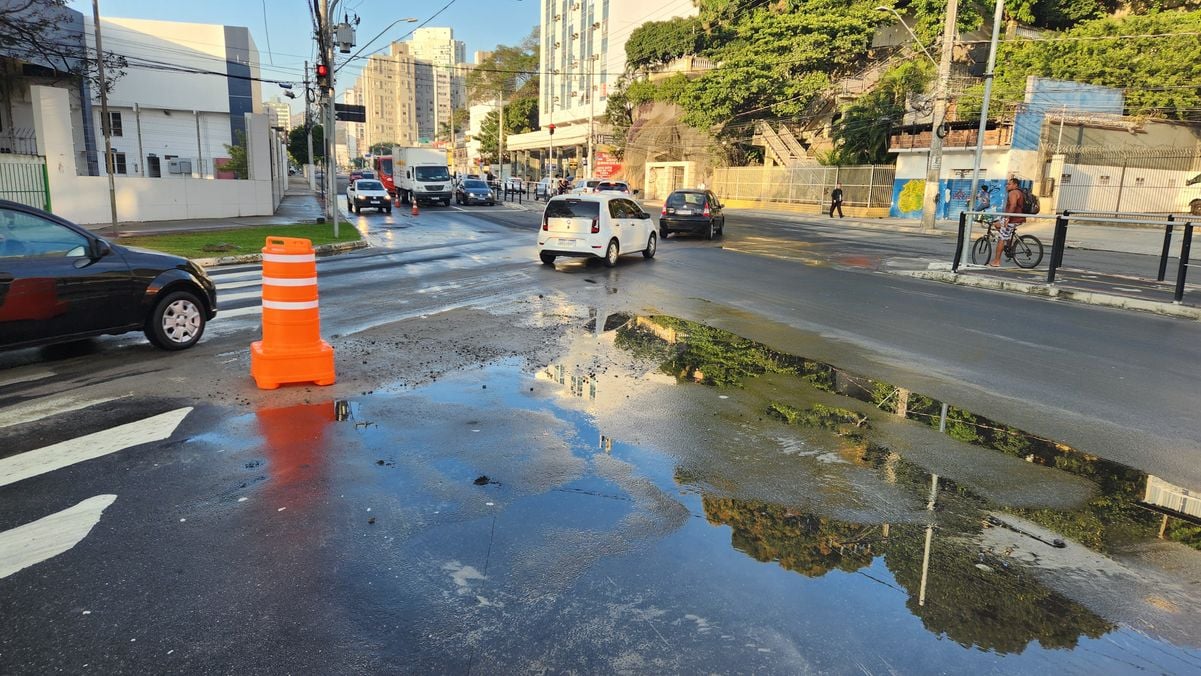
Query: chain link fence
point(863, 186)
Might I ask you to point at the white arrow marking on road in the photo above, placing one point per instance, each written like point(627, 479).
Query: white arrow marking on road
point(67, 453)
point(43, 408)
point(49, 536)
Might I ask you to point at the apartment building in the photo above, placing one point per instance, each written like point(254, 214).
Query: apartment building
point(387, 87)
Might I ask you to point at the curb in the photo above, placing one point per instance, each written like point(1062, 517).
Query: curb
point(322, 250)
point(1056, 292)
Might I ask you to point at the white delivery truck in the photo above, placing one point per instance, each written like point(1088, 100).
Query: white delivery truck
point(421, 174)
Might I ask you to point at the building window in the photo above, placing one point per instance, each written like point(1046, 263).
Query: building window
point(118, 162)
point(114, 123)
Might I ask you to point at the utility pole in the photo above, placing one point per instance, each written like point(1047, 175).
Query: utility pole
point(137, 118)
point(941, 94)
point(106, 123)
point(326, 44)
point(988, 80)
point(500, 133)
point(308, 120)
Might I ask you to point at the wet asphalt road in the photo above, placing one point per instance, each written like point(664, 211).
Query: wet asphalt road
point(628, 521)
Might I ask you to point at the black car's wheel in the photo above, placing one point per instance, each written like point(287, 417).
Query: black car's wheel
point(388, 210)
point(651, 246)
point(350, 205)
point(710, 232)
point(176, 322)
point(547, 259)
point(611, 254)
point(664, 232)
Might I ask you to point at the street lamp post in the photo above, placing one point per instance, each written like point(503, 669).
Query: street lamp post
point(988, 80)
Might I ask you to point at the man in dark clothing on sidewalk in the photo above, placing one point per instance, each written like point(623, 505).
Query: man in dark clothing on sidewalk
point(836, 200)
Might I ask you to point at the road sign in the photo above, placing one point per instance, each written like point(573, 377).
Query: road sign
point(345, 112)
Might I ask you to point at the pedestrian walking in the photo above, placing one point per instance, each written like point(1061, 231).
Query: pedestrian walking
point(836, 200)
point(1014, 204)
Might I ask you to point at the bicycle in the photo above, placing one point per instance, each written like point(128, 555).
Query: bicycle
point(1025, 250)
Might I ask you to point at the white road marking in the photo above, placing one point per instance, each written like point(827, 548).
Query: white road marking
point(240, 312)
point(239, 285)
point(250, 274)
point(44, 408)
point(231, 297)
point(26, 377)
point(49, 536)
point(88, 447)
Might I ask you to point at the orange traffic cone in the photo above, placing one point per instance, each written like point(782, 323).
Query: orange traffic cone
point(415, 210)
point(291, 350)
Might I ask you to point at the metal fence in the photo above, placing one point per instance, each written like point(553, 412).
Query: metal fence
point(863, 186)
point(23, 179)
point(1155, 184)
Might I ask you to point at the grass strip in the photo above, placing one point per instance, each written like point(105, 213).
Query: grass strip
point(238, 241)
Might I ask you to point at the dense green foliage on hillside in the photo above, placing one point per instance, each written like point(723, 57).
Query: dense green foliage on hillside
point(774, 59)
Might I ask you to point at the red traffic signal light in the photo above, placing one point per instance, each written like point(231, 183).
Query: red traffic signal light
point(322, 70)
point(551, 128)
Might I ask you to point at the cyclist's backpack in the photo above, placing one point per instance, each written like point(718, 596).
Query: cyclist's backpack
point(1030, 203)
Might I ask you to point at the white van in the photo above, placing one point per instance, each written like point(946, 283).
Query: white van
point(602, 225)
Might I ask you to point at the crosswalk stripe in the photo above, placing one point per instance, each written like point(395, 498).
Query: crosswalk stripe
point(231, 297)
point(241, 312)
point(239, 285)
point(88, 447)
point(26, 377)
point(50, 536)
point(44, 408)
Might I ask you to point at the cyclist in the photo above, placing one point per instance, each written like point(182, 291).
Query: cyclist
point(1014, 204)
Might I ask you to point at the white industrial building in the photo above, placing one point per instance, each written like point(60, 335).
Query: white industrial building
point(182, 98)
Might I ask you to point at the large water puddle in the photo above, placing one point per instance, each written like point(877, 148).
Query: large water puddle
point(670, 497)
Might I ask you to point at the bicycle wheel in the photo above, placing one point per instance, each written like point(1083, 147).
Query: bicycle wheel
point(1027, 251)
point(982, 251)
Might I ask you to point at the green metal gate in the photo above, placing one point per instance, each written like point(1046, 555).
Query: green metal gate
point(24, 179)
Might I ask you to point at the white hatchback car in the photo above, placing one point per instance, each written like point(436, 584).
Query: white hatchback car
point(603, 225)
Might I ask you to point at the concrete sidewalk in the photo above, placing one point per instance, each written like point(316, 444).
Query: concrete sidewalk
point(1126, 239)
point(299, 205)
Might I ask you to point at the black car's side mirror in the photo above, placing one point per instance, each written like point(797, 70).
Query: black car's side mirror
point(99, 249)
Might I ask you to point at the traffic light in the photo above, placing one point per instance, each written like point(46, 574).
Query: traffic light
point(322, 75)
point(551, 128)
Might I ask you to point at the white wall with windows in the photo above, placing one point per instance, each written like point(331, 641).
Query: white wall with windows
point(85, 199)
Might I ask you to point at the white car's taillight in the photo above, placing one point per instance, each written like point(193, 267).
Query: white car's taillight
point(545, 223)
point(595, 225)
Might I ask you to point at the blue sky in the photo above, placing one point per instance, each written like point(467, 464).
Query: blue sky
point(482, 24)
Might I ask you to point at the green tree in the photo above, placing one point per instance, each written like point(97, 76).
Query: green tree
point(298, 145)
point(1166, 69)
point(861, 134)
point(237, 156)
point(521, 116)
point(511, 70)
point(658, 42)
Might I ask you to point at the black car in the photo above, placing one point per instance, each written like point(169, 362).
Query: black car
point(474, 191)
point(693, 211)
point(60, 282)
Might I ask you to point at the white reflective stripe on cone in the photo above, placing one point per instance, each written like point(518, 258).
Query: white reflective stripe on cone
point(284, 281)
point(285, 305)
point(289, 258)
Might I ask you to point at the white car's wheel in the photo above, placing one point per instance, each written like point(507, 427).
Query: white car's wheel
point(611, 254)
point(652, 245)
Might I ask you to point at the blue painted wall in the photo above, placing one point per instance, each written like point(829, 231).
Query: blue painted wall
point(1052, 95)
point(959, 192)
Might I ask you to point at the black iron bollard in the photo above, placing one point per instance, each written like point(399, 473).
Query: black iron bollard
point(1182, 271)
point(1167, 246)
point(959, 242)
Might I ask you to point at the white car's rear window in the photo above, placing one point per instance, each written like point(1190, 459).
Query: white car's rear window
point(572, 209)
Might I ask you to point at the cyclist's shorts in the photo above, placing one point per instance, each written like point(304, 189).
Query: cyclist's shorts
point(1006, 230)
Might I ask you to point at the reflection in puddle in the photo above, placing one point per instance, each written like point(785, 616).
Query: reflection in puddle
point(1129, 504)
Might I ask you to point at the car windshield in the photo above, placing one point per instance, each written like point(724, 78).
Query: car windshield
point(432, 173)
point(368, 185)
point(385, 165)
point(690, 199)
point(572, 209)
point(475, 185)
